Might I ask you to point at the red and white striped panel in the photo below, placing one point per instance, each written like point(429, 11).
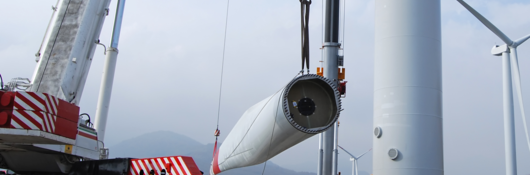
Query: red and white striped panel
point(33, 120)
point(49, 122)
point(176, 163)
point(51, 104)
point(34, 101)
point(30, 101)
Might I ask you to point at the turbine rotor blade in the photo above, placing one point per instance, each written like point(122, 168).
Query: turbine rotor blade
point(364, 153)
point(517, 77)
point(347, 152)
point(487, 23)
point(521, 40)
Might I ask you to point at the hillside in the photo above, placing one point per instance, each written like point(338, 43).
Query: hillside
point(166, 143)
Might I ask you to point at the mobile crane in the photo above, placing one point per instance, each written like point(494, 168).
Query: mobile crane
point(41, 129)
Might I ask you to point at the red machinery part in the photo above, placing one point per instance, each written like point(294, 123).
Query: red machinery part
point(68, 111)
point(5, 117)
point(67, 118)
point(6, 108)
point(38, 111)
point(66, 128)
point(174, 165)
point(342, 87)
point(6, 99)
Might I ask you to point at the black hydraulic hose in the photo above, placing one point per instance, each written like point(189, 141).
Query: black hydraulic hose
point(1, 82)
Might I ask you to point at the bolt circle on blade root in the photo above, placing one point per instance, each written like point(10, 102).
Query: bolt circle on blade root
point(321, 91)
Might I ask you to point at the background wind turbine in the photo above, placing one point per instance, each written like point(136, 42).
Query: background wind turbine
point(510, 64)
point(354, 159)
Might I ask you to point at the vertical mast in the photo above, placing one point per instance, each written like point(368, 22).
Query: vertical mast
point(408, 88)
point(108, 74)
point(509, 126)
point(330, 64)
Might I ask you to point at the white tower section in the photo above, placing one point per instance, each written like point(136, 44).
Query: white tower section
point(408, 137)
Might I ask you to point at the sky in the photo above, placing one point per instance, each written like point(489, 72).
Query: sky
point(170, 57)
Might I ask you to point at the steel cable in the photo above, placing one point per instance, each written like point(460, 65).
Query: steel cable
point(217, 131)
point(222, 64)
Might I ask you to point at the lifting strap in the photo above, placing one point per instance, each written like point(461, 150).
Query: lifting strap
point(304, 6)
point(217, 133)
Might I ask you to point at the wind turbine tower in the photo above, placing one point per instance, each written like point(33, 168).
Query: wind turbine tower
point(354, 160)
point(510, 71)
point(408, 137)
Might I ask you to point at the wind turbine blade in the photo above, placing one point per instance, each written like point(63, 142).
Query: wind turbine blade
point(517, 77)
point(347, 152)
point(521, 40)
point(364, 153)
point(487, 23)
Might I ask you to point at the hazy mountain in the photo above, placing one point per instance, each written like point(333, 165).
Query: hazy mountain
point(166, 143)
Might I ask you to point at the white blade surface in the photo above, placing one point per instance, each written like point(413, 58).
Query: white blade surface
point(517, 81)
point(521, 40)
point(487, 23)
